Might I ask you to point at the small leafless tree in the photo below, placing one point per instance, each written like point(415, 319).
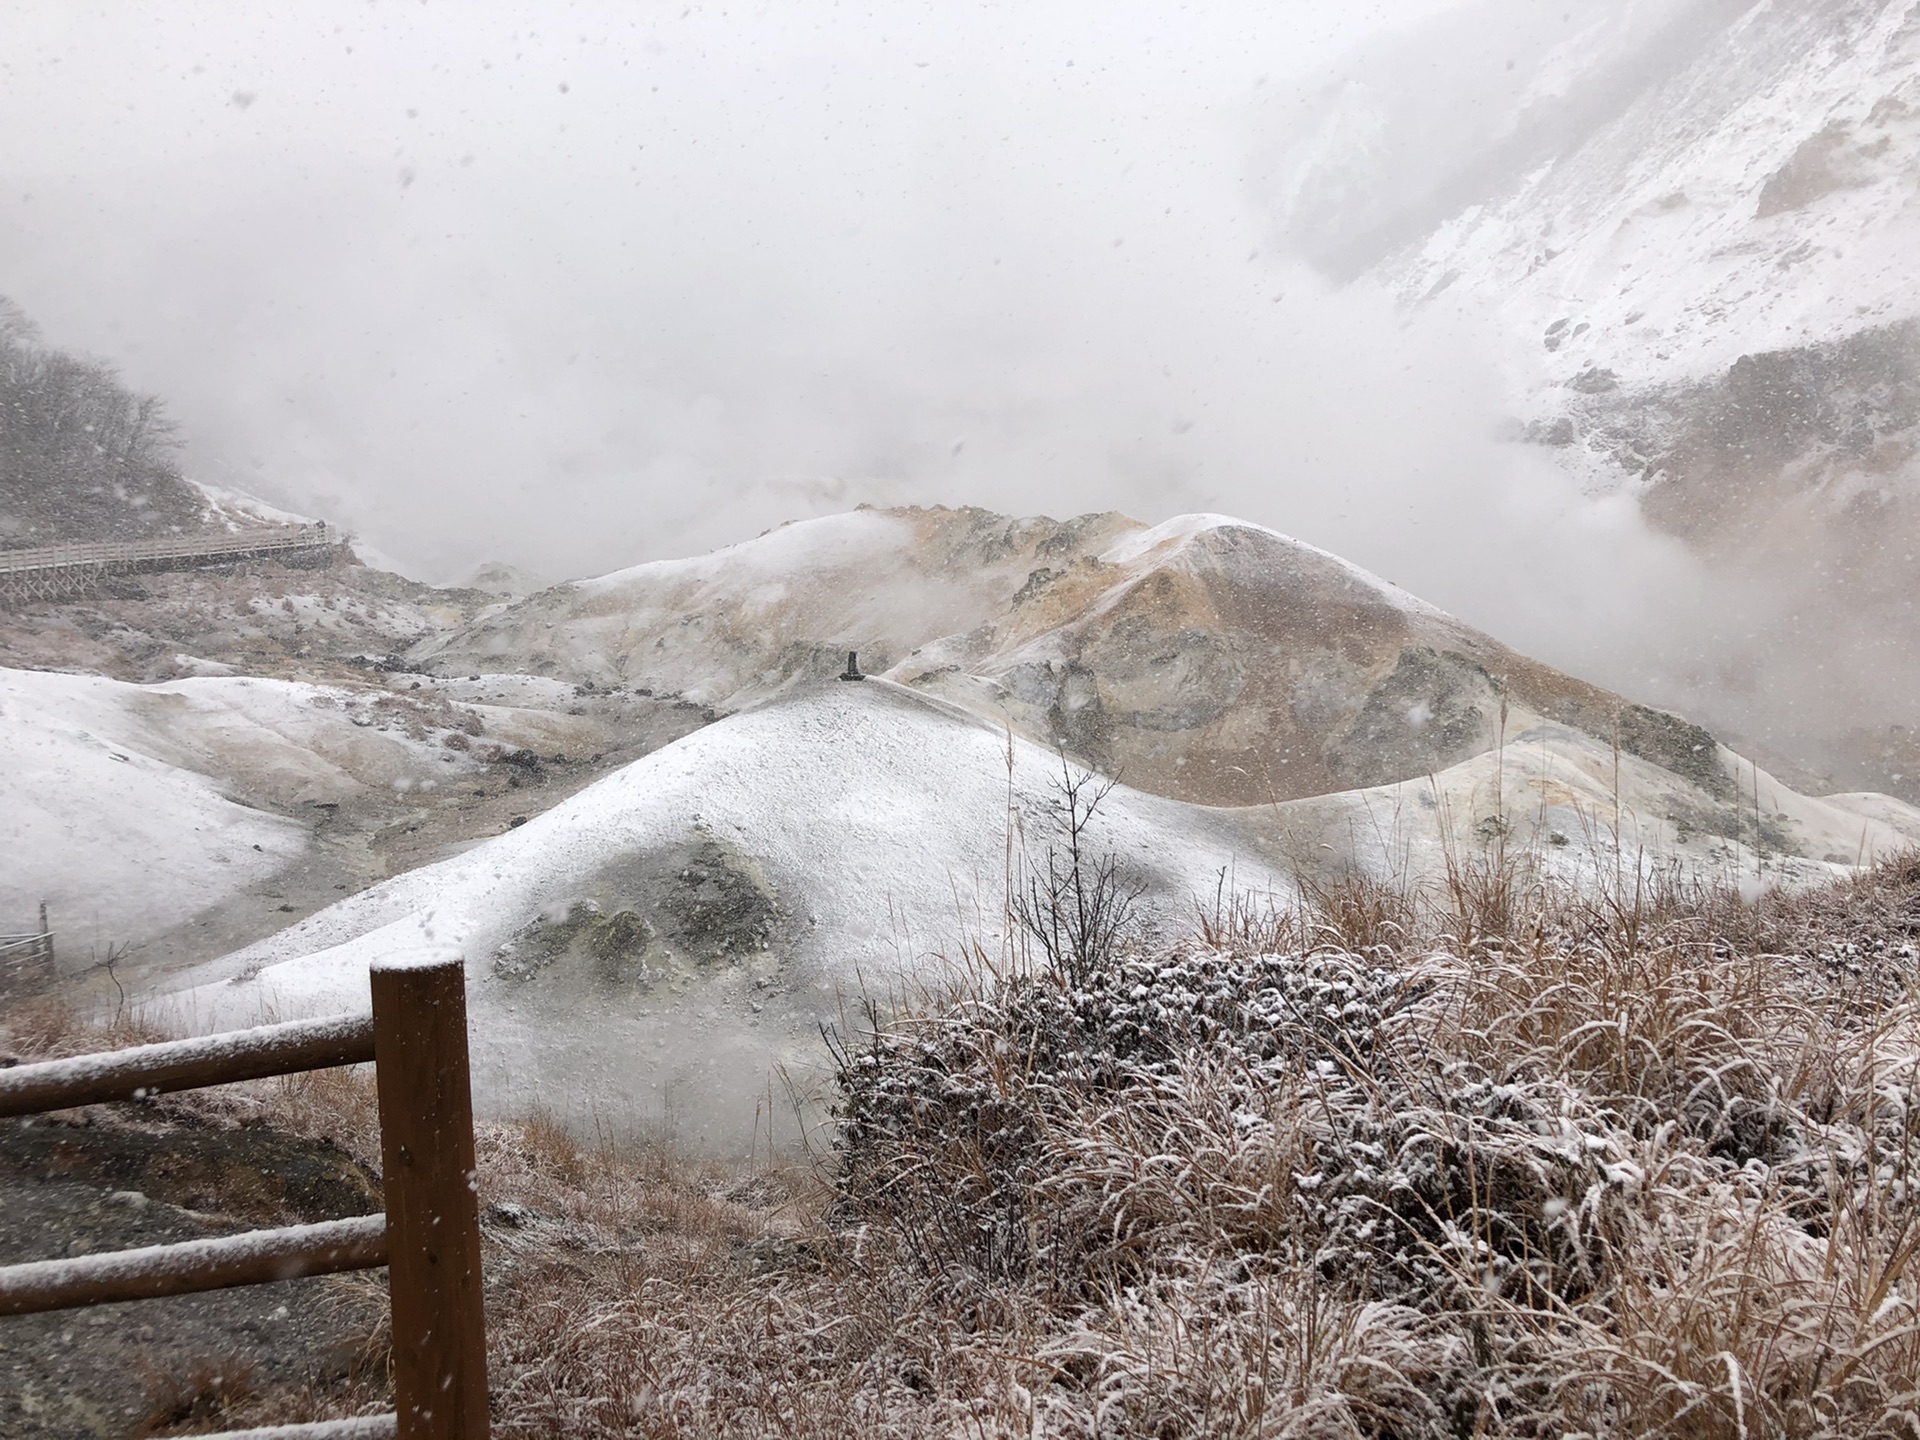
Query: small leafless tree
point(1073, 903)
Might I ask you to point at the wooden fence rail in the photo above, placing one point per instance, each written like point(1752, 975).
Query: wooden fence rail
point(429, 1238)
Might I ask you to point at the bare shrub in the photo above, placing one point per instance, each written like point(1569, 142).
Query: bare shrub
point(207, 1389)
point(1073, 902)
point(953, 1127)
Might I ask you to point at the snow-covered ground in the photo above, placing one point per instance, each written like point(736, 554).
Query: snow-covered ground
point(128, 808)
point(118, 843)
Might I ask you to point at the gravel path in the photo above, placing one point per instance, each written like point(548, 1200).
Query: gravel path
point(112, 1177)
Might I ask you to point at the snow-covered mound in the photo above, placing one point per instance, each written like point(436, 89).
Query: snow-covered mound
point(1556, 799)
point(657, 943)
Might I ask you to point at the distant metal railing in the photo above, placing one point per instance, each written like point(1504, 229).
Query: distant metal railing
point(49, 572)
point(429, 1238)
point(27, 957)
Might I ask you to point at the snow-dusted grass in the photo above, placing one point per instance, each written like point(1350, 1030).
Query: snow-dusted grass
point(1635, 1162)
point(1638, 1164)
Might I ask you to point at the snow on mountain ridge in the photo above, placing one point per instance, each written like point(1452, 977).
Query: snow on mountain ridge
point(745, 623)
point(1703, 298)
point(1763, 197)
point(1183, 528)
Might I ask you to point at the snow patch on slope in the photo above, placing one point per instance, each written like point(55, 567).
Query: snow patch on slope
point(118, 842)
point(129, 808)
point(1162, 541)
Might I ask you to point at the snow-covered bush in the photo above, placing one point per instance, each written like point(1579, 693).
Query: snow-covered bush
point(1593, 1171)
point(963, 1129)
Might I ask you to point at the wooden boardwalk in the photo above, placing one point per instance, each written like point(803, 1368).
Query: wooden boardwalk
point(61, 572)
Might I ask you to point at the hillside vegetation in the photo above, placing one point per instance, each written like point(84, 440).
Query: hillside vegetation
point(81, 456)
point(1489, 1159)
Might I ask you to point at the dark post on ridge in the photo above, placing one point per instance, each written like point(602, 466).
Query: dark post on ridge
point(852, 672)
point(433, 1221)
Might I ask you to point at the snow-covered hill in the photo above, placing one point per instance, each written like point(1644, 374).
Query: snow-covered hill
point(661, 946)
point(660, 943)
point(657, 943)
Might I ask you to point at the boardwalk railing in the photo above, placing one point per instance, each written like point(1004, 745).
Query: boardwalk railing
point(26, 958)
point(429, 1238)
point(54, 572)
point(29, 957)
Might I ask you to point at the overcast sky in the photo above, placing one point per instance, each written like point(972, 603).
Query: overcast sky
point(581, 286)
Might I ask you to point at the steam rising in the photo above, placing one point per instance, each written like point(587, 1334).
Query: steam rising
point(577, 294)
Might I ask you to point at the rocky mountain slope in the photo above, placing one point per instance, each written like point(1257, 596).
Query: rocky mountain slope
point(1697, 228)
point(1205, 659)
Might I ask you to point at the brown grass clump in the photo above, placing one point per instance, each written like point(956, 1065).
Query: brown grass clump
point(206, 1392)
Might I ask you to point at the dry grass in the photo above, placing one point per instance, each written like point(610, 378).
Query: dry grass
point(203, 1396)
point(1497, 1160)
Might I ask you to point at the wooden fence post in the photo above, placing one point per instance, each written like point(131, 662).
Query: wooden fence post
point(433, 1221)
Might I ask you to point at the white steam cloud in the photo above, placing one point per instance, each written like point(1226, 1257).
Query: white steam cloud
point(582, 289)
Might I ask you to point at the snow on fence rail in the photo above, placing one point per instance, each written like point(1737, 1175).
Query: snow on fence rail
point(429, 1237)
point(51, 572)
